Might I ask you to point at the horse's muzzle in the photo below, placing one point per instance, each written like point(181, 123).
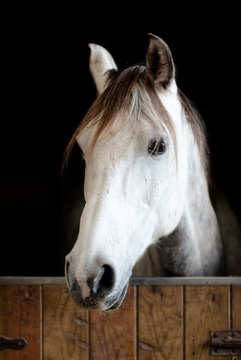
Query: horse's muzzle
point(95, 292)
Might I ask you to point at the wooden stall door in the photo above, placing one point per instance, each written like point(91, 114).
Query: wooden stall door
point(20, 316)
point(65, 328)
point(160, 322)
point(206, 308)
point(154, 323)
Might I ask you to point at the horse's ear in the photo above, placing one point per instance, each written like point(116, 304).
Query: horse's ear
point(101, 61)
point(159, 61)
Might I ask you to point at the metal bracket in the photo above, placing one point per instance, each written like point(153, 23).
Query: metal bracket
point(15, 344)
point(226, 342)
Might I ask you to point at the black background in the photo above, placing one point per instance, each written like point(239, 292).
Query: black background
point(46, 89)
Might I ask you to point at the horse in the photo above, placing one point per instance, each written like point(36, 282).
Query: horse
point(150, 205)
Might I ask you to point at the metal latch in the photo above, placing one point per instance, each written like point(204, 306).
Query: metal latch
point(226, 342)
point(15, 344)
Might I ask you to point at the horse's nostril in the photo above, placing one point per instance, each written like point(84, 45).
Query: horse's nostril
point(104, 281)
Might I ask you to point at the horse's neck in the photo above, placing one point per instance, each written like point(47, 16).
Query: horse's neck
point(195, 247)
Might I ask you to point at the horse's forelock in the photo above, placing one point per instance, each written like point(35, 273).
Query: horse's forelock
point(132, 93)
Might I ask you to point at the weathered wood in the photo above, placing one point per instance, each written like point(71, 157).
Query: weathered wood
point(160, 322)
point(236, 307)
point(65, 327)
point(236, 310)
point(206, 308)
point(20, 316)
point(113, 334)
point(166, 321)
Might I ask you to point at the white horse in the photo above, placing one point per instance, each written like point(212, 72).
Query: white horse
point(148, 210)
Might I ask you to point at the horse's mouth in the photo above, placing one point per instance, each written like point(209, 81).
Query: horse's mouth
point(93, 302)
point(117, 303)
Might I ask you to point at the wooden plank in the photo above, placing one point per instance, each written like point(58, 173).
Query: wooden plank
point(160, 323)
point(65, 327)
point(113, 334)
point(20, 316)
point(236, 307)
point(206, 308)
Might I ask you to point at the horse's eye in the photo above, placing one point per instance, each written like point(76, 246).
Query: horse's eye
point(156, 147)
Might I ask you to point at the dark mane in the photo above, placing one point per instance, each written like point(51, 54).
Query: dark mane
point(197, 125)
point(133, 92)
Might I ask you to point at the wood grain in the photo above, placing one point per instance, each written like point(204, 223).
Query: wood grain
point(206, 308)
point(20, 316)
point(160, 323)
point(154, 323)
point(65, 327)
point(236, 307)
point(113, 334)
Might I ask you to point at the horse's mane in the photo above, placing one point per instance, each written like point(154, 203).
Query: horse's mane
point(132, 93)
point(197, 125)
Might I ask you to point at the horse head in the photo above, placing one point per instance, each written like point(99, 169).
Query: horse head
point(133, 144)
